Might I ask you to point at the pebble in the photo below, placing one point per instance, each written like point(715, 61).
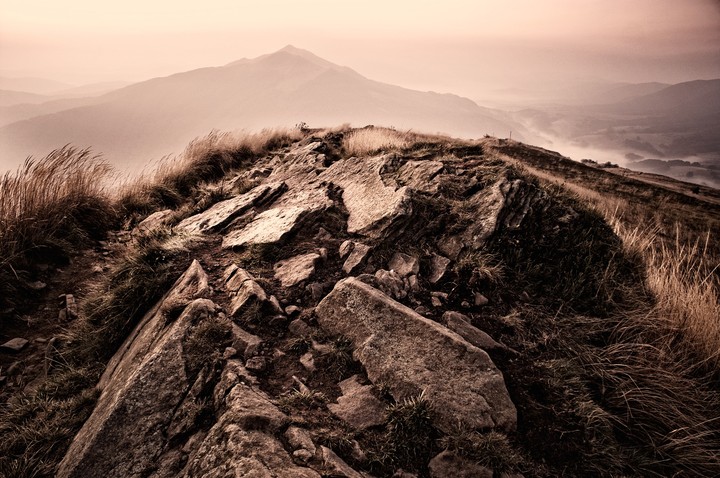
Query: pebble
point(15, 345)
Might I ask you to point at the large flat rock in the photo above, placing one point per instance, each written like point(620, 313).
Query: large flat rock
point(223, 212)
point(411, 354)
point(371, 204)
point(272, 225)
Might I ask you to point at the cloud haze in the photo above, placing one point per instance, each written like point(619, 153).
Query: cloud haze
point(467, 47)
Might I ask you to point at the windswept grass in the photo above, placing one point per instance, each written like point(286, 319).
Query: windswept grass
point(684, 281)
point(366, 141)
point(175, 179)
point(47, 208)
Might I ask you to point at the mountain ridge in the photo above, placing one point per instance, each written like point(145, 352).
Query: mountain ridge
point(283, 88)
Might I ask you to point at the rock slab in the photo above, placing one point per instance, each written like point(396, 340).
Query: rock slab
point(358, 406)
point(296, 269)
point(412, 355)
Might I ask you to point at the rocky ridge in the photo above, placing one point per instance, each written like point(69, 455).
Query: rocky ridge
point(339, 290)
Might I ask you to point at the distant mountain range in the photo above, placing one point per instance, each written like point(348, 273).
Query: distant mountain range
point(653, 128)
point(145, 121)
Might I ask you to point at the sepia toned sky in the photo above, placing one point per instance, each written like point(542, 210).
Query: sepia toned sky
point(466, 47)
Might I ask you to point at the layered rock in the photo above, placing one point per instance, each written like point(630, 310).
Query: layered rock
point(222, 213)
point(141, 389)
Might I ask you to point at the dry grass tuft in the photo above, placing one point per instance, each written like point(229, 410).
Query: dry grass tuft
point(372, 140)
point(206, 159)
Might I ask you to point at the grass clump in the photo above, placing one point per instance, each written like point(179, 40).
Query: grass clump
point(338, 360)
point(491, 449)
point(409, 440)
point(301, 399)
point(204, 160)
point(38, 429)
point(133, 286)
point(366, 141)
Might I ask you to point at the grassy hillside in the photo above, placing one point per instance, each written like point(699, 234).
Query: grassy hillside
point(610, 317)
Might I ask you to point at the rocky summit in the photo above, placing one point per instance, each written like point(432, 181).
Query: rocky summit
point(422, 311)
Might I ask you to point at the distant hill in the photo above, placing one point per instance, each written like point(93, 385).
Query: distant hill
point(10, 98)
point(154, 118)
point(689, 99)
point(41, 86)
point(625, 91)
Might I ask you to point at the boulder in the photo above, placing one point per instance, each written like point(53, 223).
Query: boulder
point(296, 269)
point(222, 213)
point(411, 355)
point(372, 206)
point(357, 405)
point(191, 285)
point(404, 264)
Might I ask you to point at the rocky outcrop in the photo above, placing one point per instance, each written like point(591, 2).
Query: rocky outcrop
point(243, 442)
point(413, 355)
point(221, 214)
point(505, 204)
point(142, 388)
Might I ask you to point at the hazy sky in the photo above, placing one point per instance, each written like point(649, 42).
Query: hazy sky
point(465, 47)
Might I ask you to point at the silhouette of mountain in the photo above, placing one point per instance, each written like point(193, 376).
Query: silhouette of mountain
point(148, 120)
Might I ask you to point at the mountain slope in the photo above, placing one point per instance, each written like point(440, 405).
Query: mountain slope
point(157, 117)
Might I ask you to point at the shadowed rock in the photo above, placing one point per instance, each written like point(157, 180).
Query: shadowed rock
point(127, 431)
point(356, 253)
point(412, 354)
point(450, 465)
point(506, 204)
point(242, 442)
point(420, 174)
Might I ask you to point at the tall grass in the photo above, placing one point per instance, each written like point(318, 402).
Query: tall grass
point(681, 273)
point(59, 197)
point(371, 140)
point(47, 208)
point(683, 279)
point(205, 159)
